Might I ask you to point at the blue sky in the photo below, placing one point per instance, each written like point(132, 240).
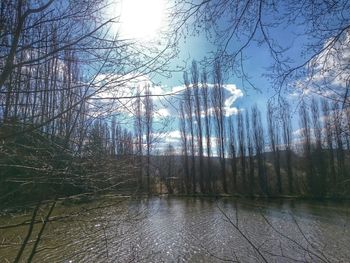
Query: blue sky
point(258, 59)
point(197, 48)
point(256, 64)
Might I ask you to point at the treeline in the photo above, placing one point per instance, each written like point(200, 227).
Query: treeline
point(53, 144)
point(238, 154)
point(104, 157)
point(56, 138)
point(60, 136)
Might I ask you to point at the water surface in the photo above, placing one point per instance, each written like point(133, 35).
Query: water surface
point(187, 230)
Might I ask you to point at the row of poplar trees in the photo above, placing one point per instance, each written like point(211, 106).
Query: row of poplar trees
point(241, 155)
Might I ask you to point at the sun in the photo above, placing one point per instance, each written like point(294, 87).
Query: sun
point(142, 19)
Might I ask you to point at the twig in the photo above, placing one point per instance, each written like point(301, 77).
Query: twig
point(242, 234)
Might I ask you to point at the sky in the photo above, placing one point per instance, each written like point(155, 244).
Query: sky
point(198, 47)
point(144, 21)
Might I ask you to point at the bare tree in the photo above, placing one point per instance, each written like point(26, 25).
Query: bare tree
point(21, 17)
point(219, 118)
point(236, 26)
point(287, 140)
point(250, 154)
point(259, 143)
point(232, 151)
point(138, 127)
point(321, 168)
point(169, 167)
point(185, 145)
point(113, 138)
point(242, 149)
point(190, 121)
point(198, 117)
point(329, 142)
point(148, 122)
point(337, 117)
point(207, 123)
point(274, 144)
point(58, 59)
point(306, 137)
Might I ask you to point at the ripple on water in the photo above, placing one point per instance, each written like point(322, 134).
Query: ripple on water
point(178, 230)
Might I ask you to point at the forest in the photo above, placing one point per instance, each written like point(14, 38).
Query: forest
point(51, 138)
point(78, 121)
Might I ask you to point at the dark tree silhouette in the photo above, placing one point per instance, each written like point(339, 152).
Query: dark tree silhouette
point(219, 119)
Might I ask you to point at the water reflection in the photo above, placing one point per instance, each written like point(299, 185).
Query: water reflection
point(194, 230)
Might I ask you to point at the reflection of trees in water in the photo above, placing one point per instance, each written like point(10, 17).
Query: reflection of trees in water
point(175, 230)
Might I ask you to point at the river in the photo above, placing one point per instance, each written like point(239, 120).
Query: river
point(185, 230)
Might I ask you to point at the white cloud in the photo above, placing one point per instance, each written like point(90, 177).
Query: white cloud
point(235, 93)
point(333, 63)
point(231, 95)
point(174, 138)
point(117, 92)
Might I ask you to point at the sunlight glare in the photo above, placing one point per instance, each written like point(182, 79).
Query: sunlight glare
point(141, 19)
